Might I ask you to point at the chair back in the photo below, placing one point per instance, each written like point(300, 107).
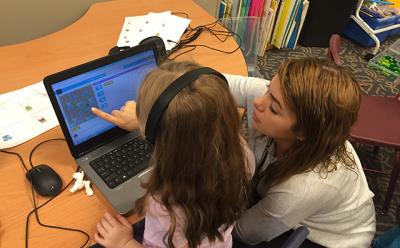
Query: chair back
point(378, 121)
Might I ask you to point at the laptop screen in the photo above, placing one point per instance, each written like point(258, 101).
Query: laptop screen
point(107, 88)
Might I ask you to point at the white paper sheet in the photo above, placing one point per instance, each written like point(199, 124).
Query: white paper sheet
point(164, 25)
point(25, 114)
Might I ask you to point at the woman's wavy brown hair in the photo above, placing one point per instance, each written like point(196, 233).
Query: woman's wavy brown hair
point(198, 159)
point(324, 99)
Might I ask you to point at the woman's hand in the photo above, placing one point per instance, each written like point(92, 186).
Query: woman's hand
point(115, 232)
point(124, 118)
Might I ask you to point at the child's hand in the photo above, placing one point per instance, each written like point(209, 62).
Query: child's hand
point(124, 118)
point(114, 232)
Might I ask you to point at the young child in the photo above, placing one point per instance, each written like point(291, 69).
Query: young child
point(201, 165)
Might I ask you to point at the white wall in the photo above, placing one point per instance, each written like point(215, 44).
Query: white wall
point(23, 20)
point(211, 6)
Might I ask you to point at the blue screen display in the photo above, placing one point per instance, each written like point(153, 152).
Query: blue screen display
point(106, 88)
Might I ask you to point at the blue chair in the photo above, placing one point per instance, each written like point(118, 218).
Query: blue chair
point(296, 238)
point(293, 240)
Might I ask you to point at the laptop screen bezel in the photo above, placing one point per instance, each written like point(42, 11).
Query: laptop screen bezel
point(109, 135)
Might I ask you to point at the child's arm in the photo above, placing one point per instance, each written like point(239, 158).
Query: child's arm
point(124, 118)
point(115, 232)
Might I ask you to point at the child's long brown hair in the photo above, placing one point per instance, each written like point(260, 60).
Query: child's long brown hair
point(198, 158)
point(324, 99)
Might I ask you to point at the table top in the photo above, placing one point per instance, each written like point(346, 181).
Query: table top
point(26, 63)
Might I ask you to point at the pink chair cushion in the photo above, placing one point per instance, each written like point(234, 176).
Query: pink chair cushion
point(378, 121)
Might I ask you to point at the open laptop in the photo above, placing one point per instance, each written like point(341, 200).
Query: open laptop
point(114, 159)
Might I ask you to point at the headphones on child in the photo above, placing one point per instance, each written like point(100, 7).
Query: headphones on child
point(162, 102)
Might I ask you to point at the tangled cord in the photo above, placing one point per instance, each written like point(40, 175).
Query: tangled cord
point(192, 34)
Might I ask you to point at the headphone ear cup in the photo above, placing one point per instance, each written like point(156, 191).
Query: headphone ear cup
point(159, 43)
point(117, 49)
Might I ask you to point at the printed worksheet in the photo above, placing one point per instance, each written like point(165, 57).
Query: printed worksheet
point(168, 27)
point(25, 114)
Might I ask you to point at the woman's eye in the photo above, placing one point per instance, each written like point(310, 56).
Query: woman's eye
point(272, 109)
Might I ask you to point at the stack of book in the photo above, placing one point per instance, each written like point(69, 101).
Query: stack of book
point(280, 20)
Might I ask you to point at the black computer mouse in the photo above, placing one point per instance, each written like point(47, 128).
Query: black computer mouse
point(44, 180)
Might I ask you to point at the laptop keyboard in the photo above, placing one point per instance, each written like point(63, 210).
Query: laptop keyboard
point(122, 163)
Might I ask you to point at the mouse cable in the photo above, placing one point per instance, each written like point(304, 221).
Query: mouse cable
point(35, 210)
point(30, 155)
point(19, 156)
point(33, 150)
point(36, 207)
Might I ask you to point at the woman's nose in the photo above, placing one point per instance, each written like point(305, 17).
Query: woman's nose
point(259, 103)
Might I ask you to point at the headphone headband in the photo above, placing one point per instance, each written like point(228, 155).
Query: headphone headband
point(162, 102)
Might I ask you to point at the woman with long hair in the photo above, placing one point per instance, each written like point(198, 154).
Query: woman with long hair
point(307, 173)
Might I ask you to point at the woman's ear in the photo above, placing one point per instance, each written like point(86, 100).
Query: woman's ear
point(300, 138)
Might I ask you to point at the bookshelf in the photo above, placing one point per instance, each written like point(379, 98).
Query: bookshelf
point(281, 21)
